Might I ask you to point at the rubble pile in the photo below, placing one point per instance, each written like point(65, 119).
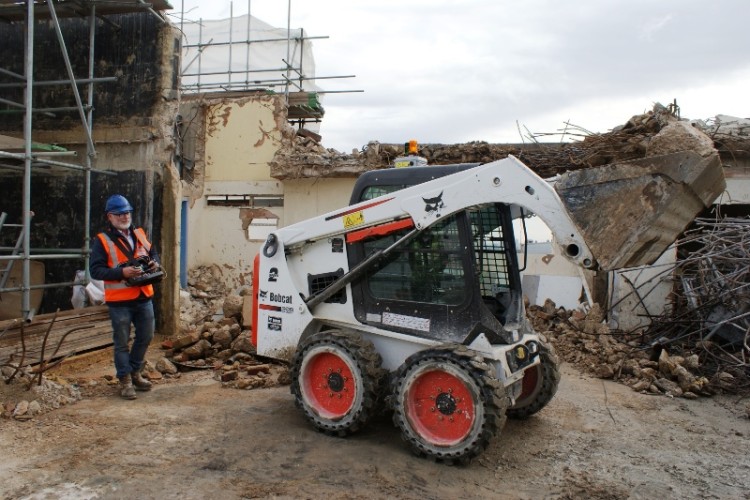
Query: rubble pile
point(211, 337)
point(302, 156)
point(710, 304)
point(647, 134)
point(23, 398)
point(584, 340)
point(204, 295)
point(729, 133)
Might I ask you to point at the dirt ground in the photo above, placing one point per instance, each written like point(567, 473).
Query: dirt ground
point(191, 438)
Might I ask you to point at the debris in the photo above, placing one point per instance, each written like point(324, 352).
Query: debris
point(709, 317)
point(212, 336)
point(166, 366)
point(647, 134)
point(22, 400)
point(587, 343)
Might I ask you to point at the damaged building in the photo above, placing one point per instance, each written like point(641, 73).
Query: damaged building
point(113, 108)
point(215, 160)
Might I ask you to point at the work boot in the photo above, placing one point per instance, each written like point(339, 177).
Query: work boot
point(126, 388)
point(140, 383)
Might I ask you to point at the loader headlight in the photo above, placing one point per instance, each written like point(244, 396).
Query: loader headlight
point(521, 353)
point(518, 357)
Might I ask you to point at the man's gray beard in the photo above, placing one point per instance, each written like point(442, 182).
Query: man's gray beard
point(121, 226)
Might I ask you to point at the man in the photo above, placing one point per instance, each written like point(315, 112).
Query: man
point(113, 254)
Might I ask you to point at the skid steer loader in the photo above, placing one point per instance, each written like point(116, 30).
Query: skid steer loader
point(410, 298)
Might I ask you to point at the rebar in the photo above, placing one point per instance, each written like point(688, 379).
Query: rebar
point(710, 304)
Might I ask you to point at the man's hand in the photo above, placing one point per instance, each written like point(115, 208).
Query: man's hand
point(153, 265)
point(131, 272)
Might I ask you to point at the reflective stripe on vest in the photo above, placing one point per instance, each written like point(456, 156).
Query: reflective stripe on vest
point(118, 291)
point(145, 247)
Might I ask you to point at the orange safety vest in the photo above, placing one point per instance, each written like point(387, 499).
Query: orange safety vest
point(118, 291)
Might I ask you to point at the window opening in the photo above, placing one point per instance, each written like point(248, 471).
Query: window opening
point(429, 269)
point(372, 192)
point(244, 200)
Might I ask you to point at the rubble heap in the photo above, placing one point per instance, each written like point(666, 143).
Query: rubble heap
point(302, 155)
point(212, 337)
point(709, 309)
point(584, 340)
point(24, 395)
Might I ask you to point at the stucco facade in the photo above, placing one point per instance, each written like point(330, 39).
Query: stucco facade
point(233, 202)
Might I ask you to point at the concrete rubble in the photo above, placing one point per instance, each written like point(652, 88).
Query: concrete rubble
point(648, 134)
point(212, 337)
point(23, 398)
point(584, 340)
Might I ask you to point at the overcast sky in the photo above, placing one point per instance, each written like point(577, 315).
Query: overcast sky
point(450, 71)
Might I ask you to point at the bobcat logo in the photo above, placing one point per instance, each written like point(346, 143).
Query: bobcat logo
point(433, 204)
point(262, 294)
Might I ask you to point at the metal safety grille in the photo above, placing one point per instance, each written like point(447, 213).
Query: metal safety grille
point(490, 251)
point(319, 282)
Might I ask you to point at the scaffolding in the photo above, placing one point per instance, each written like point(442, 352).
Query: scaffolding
point(39, 159)
point(236, 70)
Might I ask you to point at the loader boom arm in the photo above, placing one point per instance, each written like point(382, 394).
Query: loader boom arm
point(504, 181)
point(610, 217)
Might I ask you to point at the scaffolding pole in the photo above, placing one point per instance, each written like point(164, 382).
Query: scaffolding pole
point(90, 153)
point(290, 78)
point(22, 251)
point(26, 311)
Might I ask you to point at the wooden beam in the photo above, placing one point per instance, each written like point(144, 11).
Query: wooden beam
point(73, 331)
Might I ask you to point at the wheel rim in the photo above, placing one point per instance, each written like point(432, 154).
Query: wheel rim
point(328, 385)
point(441, 407)
point(530, 383)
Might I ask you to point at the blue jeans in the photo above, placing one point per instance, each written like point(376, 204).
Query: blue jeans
point(140, 314)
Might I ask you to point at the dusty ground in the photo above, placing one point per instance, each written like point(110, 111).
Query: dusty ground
point(191, 438)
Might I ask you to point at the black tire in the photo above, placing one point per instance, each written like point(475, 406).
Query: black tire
point(336, 380)
point(448, 404)
point(539, 385)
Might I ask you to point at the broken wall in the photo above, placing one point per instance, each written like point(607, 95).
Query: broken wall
point(228, 142)
point(133, 126)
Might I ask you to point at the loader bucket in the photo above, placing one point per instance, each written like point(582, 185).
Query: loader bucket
point(630, 212)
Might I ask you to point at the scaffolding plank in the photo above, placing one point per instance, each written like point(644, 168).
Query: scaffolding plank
point(7, 142)
point(12, 10)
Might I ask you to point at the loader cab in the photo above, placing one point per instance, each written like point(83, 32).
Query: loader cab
point(453, 281)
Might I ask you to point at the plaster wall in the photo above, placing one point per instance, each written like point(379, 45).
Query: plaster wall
point(564, 291)
point(237, 138)
point(642, 292)
point(551, 264)
point(305, 198)
point(738, 187)
point(241, 138)
point(219, 234)
point(551, 276)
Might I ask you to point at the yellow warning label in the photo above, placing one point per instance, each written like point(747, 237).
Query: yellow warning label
point(354, 219)
point(401, 164)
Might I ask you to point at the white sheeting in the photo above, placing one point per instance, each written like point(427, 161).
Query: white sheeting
point(215, 61)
